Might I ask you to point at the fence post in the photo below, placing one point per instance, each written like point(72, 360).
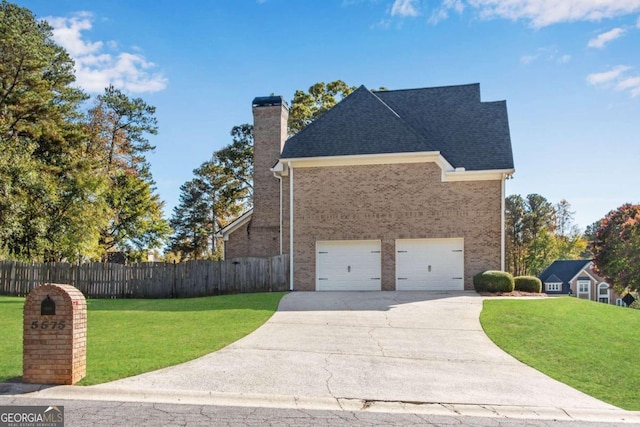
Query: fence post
point(173, 284)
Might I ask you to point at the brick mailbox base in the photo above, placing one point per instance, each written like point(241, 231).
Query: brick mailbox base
point(55, 335)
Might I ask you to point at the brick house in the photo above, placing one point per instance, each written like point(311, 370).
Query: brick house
point(388, 190)
point(577, 278)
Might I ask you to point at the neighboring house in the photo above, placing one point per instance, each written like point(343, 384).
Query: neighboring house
point(388, 190)
point(577, 278)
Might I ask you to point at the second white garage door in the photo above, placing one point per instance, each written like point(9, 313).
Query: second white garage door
point(348, 265)
point(429, 264)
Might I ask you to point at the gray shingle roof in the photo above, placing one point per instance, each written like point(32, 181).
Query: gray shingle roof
point(553, 279)
point(564, 270)
point(468, 133)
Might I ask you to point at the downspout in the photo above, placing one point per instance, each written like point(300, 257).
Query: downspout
point(290, 227)
point(280, 226)
point(502, 219)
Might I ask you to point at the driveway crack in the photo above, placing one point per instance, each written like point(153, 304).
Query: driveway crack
point(377, 341)
point(328, 380)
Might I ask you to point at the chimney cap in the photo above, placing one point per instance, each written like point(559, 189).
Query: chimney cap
point(268, 101)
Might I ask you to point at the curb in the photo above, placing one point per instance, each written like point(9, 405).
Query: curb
point(99, 393)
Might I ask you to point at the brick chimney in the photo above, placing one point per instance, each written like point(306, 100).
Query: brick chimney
point(270, 115)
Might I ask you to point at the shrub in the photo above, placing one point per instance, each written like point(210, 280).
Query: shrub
point(635, 304)
point(528, 284)
point(493, 281)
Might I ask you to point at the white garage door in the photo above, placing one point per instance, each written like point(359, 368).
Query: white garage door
point(348, 265)
point(429, 264)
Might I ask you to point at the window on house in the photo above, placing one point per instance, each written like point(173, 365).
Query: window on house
point(603, 293)
point(620, 303)
point(553, 287)
point(583, 286)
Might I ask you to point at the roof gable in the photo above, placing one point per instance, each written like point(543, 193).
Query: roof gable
point(553, 279)
point(469, 133)
point(359, 124)
point(565, 270)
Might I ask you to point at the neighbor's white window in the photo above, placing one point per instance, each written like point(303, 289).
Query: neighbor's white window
point(603, 289)
point(620, 302)
point(583, 286)
point(553, 287)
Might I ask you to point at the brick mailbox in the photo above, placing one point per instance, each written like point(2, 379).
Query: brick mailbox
point(55, 335)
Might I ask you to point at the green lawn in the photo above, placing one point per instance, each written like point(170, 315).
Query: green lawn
point(131, 336)
point(590, 346)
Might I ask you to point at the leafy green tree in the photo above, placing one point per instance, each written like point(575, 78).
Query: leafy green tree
point(191, 223)
point(220, 191)
point(307, 106)
point(44, 184)
point(616, 247)
point(136, 222)
point(222, 188)
point(119, 127)
point(570, 243)
point(529, 223)
point(236, 161)
point(516, 249)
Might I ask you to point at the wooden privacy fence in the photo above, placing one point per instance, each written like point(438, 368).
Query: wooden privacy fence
point(152, 279)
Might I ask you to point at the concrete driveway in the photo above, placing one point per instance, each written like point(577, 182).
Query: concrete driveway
point(409, 351)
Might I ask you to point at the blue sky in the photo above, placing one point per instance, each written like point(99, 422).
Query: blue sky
point(569, 71)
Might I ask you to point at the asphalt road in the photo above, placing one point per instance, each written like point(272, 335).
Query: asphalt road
point(80, 413)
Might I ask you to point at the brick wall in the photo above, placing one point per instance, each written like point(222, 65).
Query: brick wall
point(388, 202)
point(54, 346)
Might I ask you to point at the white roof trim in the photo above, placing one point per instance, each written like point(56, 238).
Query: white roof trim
point(239, 222)
point(484, 175)
point(449, 173)
point(584, 271)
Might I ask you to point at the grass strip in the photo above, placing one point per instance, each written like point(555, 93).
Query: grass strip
point(590, 346)
point(127, 337)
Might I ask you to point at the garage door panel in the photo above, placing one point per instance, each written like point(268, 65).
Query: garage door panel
point(430, 264)
point(348, 265)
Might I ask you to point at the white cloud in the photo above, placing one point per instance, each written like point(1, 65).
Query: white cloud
point(383, 24)
point(548, 54)
point(456, 5)
point(542, 13)
point(438, 15)
point(95, 69)
point(632, 84)
point(638, 22)
point(67, 33)
point(601, 39)
point(404, 8)
point(617, 79)
point(607, 77)
point(442, 12)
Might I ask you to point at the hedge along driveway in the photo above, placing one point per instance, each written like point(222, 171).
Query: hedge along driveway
point(131, 336)
point(590, 346)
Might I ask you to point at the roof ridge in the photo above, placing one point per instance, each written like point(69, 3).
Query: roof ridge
point(426, 88)
point(320, 118)
point(402, 120)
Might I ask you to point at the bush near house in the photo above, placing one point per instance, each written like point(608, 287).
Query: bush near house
point(493, 281)
point(528, 284)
